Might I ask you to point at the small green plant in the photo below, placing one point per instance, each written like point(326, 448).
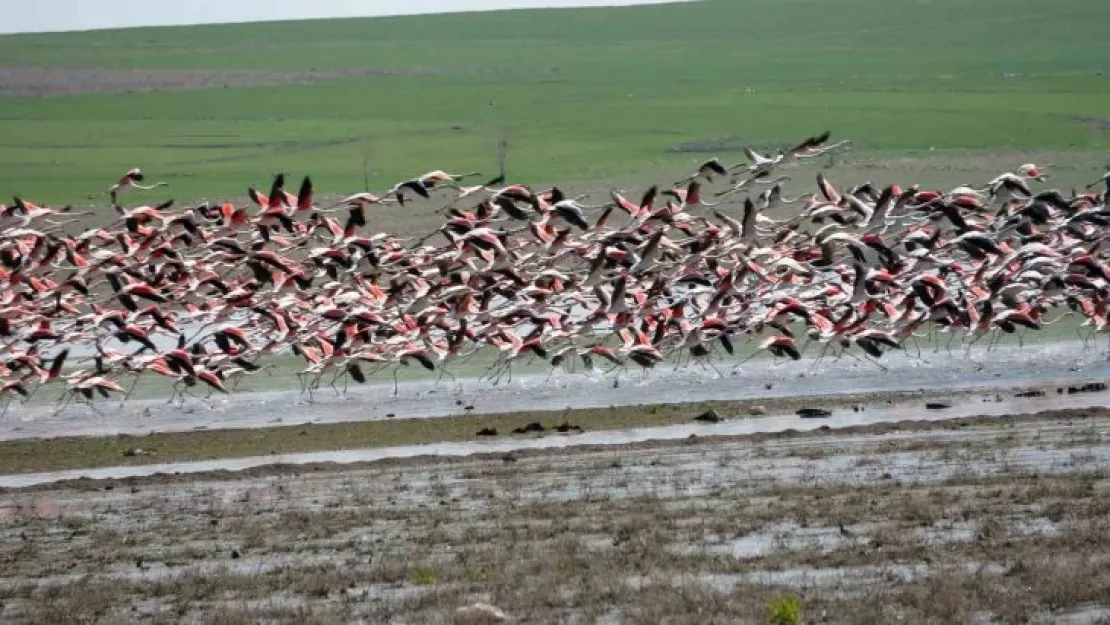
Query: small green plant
point(423, 577)
point(785, 610)
point(473, 576)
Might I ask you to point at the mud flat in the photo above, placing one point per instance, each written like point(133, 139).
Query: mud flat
point(989, 519)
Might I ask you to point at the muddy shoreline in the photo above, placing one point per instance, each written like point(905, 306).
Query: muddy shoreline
point(22, 455)
point(1067, 417)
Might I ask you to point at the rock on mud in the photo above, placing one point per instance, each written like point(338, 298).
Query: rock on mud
point(1093, 387)
point(709, 416)
point(534, 426)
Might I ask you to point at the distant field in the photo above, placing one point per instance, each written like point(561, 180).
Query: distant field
point(581, 94)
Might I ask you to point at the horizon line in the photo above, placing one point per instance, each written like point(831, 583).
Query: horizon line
point(585, 4)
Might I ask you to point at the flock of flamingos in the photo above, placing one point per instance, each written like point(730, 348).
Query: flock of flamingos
point(206, 294)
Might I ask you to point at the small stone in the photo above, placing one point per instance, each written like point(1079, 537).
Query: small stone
point(479, 614)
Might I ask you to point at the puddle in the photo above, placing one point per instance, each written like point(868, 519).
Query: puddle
point(1086, 616)
point(786, 537)
point(812, 577)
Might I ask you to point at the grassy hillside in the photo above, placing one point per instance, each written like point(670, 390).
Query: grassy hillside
point(581, 94)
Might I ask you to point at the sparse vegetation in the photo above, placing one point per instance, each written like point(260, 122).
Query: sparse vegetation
point(785, 610)
point(423, 576)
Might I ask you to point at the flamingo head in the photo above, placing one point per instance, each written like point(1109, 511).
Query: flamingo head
point(872, 239)
point(1031, 171)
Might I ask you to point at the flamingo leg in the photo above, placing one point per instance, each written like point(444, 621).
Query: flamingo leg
point(301, 381)
point(917, 344)
point(866, 358)
point(820, 357)
point(130, 390)
point(750, 356)
point(333, 384)
point(994, 340)
point(502, 369)
point(63, 401)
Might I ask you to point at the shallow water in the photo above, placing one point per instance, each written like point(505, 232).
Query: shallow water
point(1045, 364)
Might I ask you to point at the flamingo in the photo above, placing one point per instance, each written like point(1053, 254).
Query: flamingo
point(131, 180)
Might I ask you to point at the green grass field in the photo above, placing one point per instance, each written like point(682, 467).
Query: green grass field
point(580, 94)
